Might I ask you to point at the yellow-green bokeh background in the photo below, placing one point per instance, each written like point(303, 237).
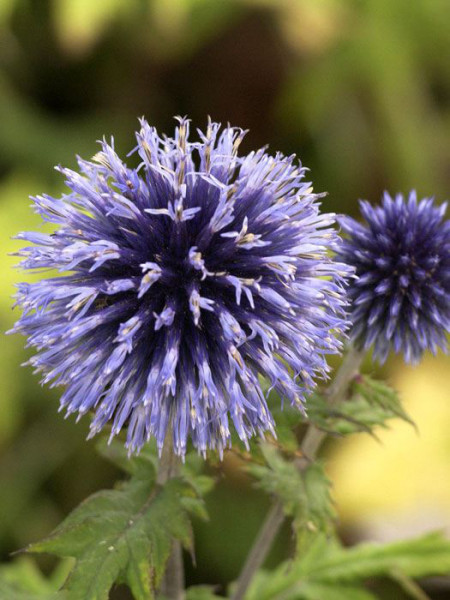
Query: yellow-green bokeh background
point(359, 89)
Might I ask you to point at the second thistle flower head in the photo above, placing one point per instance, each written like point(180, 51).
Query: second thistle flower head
point(401, 295)
point(182, 281)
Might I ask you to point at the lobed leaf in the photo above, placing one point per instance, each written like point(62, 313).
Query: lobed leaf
point(427, 555)
point(330, 571)
point(305, 494)
point(124, 535)
point(278, 586)
point(370, 404)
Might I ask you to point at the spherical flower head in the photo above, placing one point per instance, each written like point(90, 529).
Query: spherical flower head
point(182, 281)
point(400, 297)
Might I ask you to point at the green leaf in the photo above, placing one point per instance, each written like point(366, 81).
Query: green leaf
point(191, 470)
point(14, 591)
point(201, 592)
point(381, 395)
point(22, 580)
point(287, 421)
point(305, 494)
point(320, 591)
point(124, 534)
point(370, 404)
point(428, 555)
point(274, 586)
point(115, 451)
point(326, 568)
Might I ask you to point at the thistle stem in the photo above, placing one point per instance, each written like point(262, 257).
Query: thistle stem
point(172, 585)
point(309, 447)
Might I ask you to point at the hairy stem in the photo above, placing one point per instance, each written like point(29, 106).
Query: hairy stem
point(172, 585)
point(309, 447)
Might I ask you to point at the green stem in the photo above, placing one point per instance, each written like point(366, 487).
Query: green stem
point(309, 447)
point(409, 585)
point(334, 394)
point(172, 585)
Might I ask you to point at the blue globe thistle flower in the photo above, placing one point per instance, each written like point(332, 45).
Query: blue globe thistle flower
point(182, 281)
point(401, 295)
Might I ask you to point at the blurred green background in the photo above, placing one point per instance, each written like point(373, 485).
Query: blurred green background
point(359, 89)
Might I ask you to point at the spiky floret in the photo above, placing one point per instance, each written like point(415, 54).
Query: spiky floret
point(182, 281)
point(400, 297)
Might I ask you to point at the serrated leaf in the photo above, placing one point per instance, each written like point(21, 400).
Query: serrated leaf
point(428, 555)
point(332, 572)
point(123, 535)
point(379, 393)
point(191, 470)
point(318, 513)
point(274, 586)
point(328, 566)
point(370, 404)
point(305, 494)
point(279, 477)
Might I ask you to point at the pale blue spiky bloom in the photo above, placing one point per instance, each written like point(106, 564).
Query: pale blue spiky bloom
point(400, 298)
point(183, 281)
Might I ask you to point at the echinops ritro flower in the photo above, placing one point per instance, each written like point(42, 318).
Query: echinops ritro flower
point(182, 281)
point(400, 298)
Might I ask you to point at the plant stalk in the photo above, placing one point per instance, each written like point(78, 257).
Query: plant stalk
point(172, 585)
point(309, 447)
